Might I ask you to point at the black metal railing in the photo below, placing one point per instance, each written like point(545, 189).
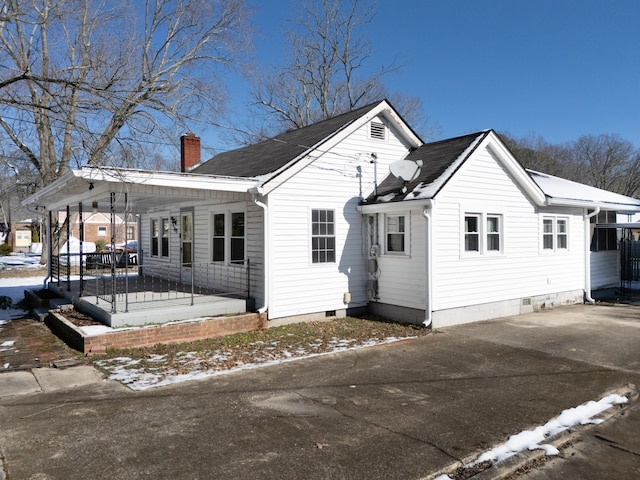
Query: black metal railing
point(119, 279)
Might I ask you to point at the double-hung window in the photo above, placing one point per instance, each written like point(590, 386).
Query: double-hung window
point(164, 244)
point(493, 233)
point(555, 233)
point(228, 237)
point(483, 233)
point(237, 237)
point(395, 228)
point(472, 232)
point(155, 237)
point(160, 237)
point(323, 236)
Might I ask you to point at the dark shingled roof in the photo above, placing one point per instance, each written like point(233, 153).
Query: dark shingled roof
point(436, 158)
point(270, 155)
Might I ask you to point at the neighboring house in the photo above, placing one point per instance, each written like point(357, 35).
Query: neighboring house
point(97, 227)
point(22, 236)
point(356, 213)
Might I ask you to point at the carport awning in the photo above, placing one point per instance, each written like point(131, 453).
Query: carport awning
point(144, 189)
point(635, 225)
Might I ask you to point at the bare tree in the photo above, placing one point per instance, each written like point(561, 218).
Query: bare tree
point(17, 181)
point(534, 152)
point(603, 161)
point(606, 160)
point(327, 72)
point(88, 82)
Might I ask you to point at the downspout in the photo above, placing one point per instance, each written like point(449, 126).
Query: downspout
point(426, 211)
point(587, 254)
point(254, 198)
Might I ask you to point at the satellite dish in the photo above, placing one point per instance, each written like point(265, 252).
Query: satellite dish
point(405, 170)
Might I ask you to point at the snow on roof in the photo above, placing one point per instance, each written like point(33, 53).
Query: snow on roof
point(567, 192)
point(428, 190)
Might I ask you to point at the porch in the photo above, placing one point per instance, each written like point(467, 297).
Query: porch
point(136, 295)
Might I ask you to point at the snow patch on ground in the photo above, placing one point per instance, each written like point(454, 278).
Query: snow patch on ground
point(535, 439)
point(14, 287)
point(150, 373)
point(90, 330)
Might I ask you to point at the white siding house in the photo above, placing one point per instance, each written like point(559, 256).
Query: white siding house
point(484, 238)
point(324, 221)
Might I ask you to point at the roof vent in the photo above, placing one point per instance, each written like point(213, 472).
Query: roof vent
point(377, 131)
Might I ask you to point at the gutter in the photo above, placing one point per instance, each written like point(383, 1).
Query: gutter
point(587, 255)
point(254, 192)
point(426, 212)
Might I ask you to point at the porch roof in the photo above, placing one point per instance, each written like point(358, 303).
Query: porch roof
point(560, 191)
point(145, 189)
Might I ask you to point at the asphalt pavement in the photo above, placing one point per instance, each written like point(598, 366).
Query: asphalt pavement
point(409, 410)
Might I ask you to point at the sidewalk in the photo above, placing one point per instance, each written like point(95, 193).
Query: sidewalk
point(47, 380)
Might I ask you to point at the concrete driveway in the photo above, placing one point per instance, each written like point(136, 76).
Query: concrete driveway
point(407, 410)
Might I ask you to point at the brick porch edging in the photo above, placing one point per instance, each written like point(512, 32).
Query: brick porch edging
point(177, 332)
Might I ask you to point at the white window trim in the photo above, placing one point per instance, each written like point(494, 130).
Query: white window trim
point(483, 242)
point(102, 231)
point(227, 211)
point(335, 238)
point(158, 216)
point(555, 234)
point(407, 234)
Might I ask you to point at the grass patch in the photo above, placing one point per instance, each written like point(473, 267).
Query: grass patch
point(157, 365)
point(323, 332)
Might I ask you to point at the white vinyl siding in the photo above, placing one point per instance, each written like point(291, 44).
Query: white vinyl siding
point(334, 181)
point(605, 269)
point(521, 269)
point(203, 211)
point(401, 278)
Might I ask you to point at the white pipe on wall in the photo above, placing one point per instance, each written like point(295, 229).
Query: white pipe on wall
point(587, 254)
point(254, 197)
point(426, 212)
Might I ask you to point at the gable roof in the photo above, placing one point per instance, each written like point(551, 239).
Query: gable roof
point(439, 161)
point(270, 156)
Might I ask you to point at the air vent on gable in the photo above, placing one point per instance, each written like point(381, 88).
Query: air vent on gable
point(378, 131)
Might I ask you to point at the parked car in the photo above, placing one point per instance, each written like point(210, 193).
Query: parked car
point(131, 246)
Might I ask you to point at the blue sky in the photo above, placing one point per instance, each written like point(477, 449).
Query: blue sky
point(555, 68)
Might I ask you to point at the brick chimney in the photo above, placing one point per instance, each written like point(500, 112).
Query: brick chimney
point(189, 152)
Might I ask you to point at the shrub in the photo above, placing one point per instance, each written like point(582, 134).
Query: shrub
point(5, 249)
point(100, 245)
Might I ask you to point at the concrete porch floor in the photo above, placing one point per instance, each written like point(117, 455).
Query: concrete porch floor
point(146, 306)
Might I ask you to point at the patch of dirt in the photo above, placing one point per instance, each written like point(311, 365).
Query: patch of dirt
point(79, 319)
point(33, 346)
